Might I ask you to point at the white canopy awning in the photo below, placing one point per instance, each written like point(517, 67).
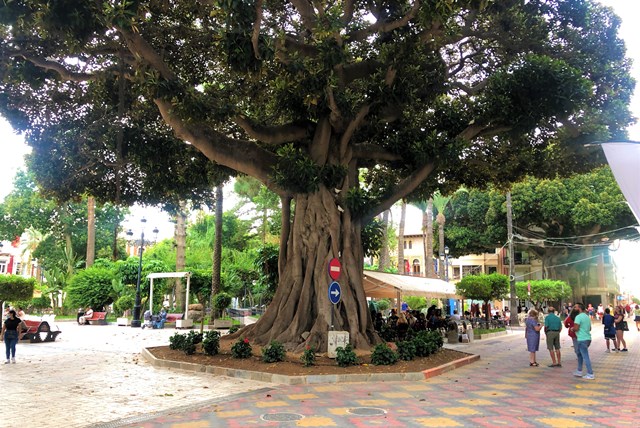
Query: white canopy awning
point(624, 160)
point(389, 285)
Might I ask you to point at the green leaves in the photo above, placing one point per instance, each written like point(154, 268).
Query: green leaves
point(483, 287)
point(16, 287)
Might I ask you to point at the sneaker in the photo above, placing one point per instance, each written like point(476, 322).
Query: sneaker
point(7, 362)
point(617, 350)
point(588, 376)
point(624, 350)
point(577, 373)
point(13, 360)
point(607, 351)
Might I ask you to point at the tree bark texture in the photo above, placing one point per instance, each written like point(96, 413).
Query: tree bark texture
point(181, 244)
point(91, 230)
point(403, 215)
point(383, 262)
point(319, 232)
point(216, 284)
point(429, 273)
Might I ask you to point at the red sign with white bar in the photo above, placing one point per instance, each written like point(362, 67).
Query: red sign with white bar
point(335, 268)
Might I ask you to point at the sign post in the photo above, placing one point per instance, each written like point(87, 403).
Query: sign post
point(335, 293)
point(335, 269)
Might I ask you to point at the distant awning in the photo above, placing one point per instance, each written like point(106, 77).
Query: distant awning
point(624, 160)
point(388, 285)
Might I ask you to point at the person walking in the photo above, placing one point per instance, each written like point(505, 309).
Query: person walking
point(636, 313)
point(532, 335)
point(10, 335)
point(620, 324)
point(552, 328)
point(582, 327)
point(609, 330)
point(568, 323)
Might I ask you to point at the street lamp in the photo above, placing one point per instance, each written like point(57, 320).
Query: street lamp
point(136, 307)
point(446, 263)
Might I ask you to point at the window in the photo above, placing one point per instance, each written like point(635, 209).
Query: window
point(3, 267)
point(492, 269)
point(416, 265)
point(410, 242)
point(405, 245)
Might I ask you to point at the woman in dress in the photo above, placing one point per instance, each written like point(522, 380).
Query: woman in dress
point(532, 335)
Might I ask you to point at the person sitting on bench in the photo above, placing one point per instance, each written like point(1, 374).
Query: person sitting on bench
point(160, 319)
point(88, 314)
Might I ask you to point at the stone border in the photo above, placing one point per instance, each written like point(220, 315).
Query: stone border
point(490, 335)
point(310, 379)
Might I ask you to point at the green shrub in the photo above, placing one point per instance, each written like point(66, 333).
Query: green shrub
point(124, 303)
point(387, 333)
point(16, 287)
point(91, 287)
point(233, 329)
point(211, 342)
point(406, 350)
point(176, 341)
point(345, 356)
point(308, 357)
point(195, 337)
point(273, 353)
point(383, 355)
point(241, 349)
point(189, 346)
point(422, 346)
point(221, 301)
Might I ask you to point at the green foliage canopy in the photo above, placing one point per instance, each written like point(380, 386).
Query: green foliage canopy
point(483, 287)
point(16, 287)
point(543, 290)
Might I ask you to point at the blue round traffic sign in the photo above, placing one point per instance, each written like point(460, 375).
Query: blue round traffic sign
point(334, 292)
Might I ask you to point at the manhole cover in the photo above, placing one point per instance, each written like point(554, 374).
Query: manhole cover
point(367, 411)
point(281, 417)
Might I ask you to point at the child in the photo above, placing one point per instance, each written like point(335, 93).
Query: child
point(609, 329)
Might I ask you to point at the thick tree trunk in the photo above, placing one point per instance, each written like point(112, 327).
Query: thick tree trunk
point(403, 215)
point(91, 230)
point(181, 245)
point(301, 304)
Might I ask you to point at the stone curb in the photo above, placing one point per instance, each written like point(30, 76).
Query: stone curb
point(437, 371)
point(489, 335)
point(310, 379)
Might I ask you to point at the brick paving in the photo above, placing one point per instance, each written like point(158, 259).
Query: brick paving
point(94, 376)
point(499, 390)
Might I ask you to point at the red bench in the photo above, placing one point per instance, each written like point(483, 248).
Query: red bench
point(172, 318)
point(97, 318)
point(39, 331)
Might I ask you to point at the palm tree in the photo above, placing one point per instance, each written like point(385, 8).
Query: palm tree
point(383, 261)
point(426, 207)
point(440, 202)
point(33, 238)
point(403, 215)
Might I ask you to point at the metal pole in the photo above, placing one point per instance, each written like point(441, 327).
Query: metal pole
point(136, 307)
point(512, 268)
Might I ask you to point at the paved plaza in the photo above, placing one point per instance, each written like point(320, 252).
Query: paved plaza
point(93, 376)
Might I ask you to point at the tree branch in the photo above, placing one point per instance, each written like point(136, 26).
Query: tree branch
point(307, 14)
point(347, 11)
point(471, 90)
point(374, 152)
point(384, 27)
point(401, 190)
point(348, 73)
point(351, 128)
point(58, 68)
point(275, 135)
point(241, 155)
point(139, 46)
point(255, 37)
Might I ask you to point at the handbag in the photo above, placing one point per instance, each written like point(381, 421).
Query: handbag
point(625, 326)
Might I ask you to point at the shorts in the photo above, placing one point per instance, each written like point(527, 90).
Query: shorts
point(637, 318)
point(609, 335)
point(553, 340)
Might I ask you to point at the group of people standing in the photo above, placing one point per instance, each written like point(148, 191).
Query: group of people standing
point(578, 323)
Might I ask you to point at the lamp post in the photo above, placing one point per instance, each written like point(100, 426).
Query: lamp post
point(446, 263)
point(136, 307)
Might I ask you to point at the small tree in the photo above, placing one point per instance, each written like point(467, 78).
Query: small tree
point(221, 301)
point(543, 290)
point(484, 287)
point(91, 287)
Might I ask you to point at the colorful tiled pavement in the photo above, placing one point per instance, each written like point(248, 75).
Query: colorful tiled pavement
point(499, 390)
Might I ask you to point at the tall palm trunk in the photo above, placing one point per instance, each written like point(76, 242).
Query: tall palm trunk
point(429, 256)
point(441, 220)
point(181, 245)
point(91, 230)
point(383, 263)
point(403, 214)
point(216, 284)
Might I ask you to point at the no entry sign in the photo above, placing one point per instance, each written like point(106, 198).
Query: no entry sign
point(335, 268)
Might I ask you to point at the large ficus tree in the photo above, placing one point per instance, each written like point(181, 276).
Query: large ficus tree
point(341, 108)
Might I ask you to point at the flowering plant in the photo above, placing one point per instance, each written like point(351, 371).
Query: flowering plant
point(241, 349)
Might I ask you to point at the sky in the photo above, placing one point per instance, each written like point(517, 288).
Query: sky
point(13, 150)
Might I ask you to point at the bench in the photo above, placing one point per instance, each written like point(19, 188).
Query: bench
point(39, 331)
point(172, 318)
point(97, 318)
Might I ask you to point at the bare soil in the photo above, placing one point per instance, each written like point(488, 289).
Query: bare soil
point(292, 366)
